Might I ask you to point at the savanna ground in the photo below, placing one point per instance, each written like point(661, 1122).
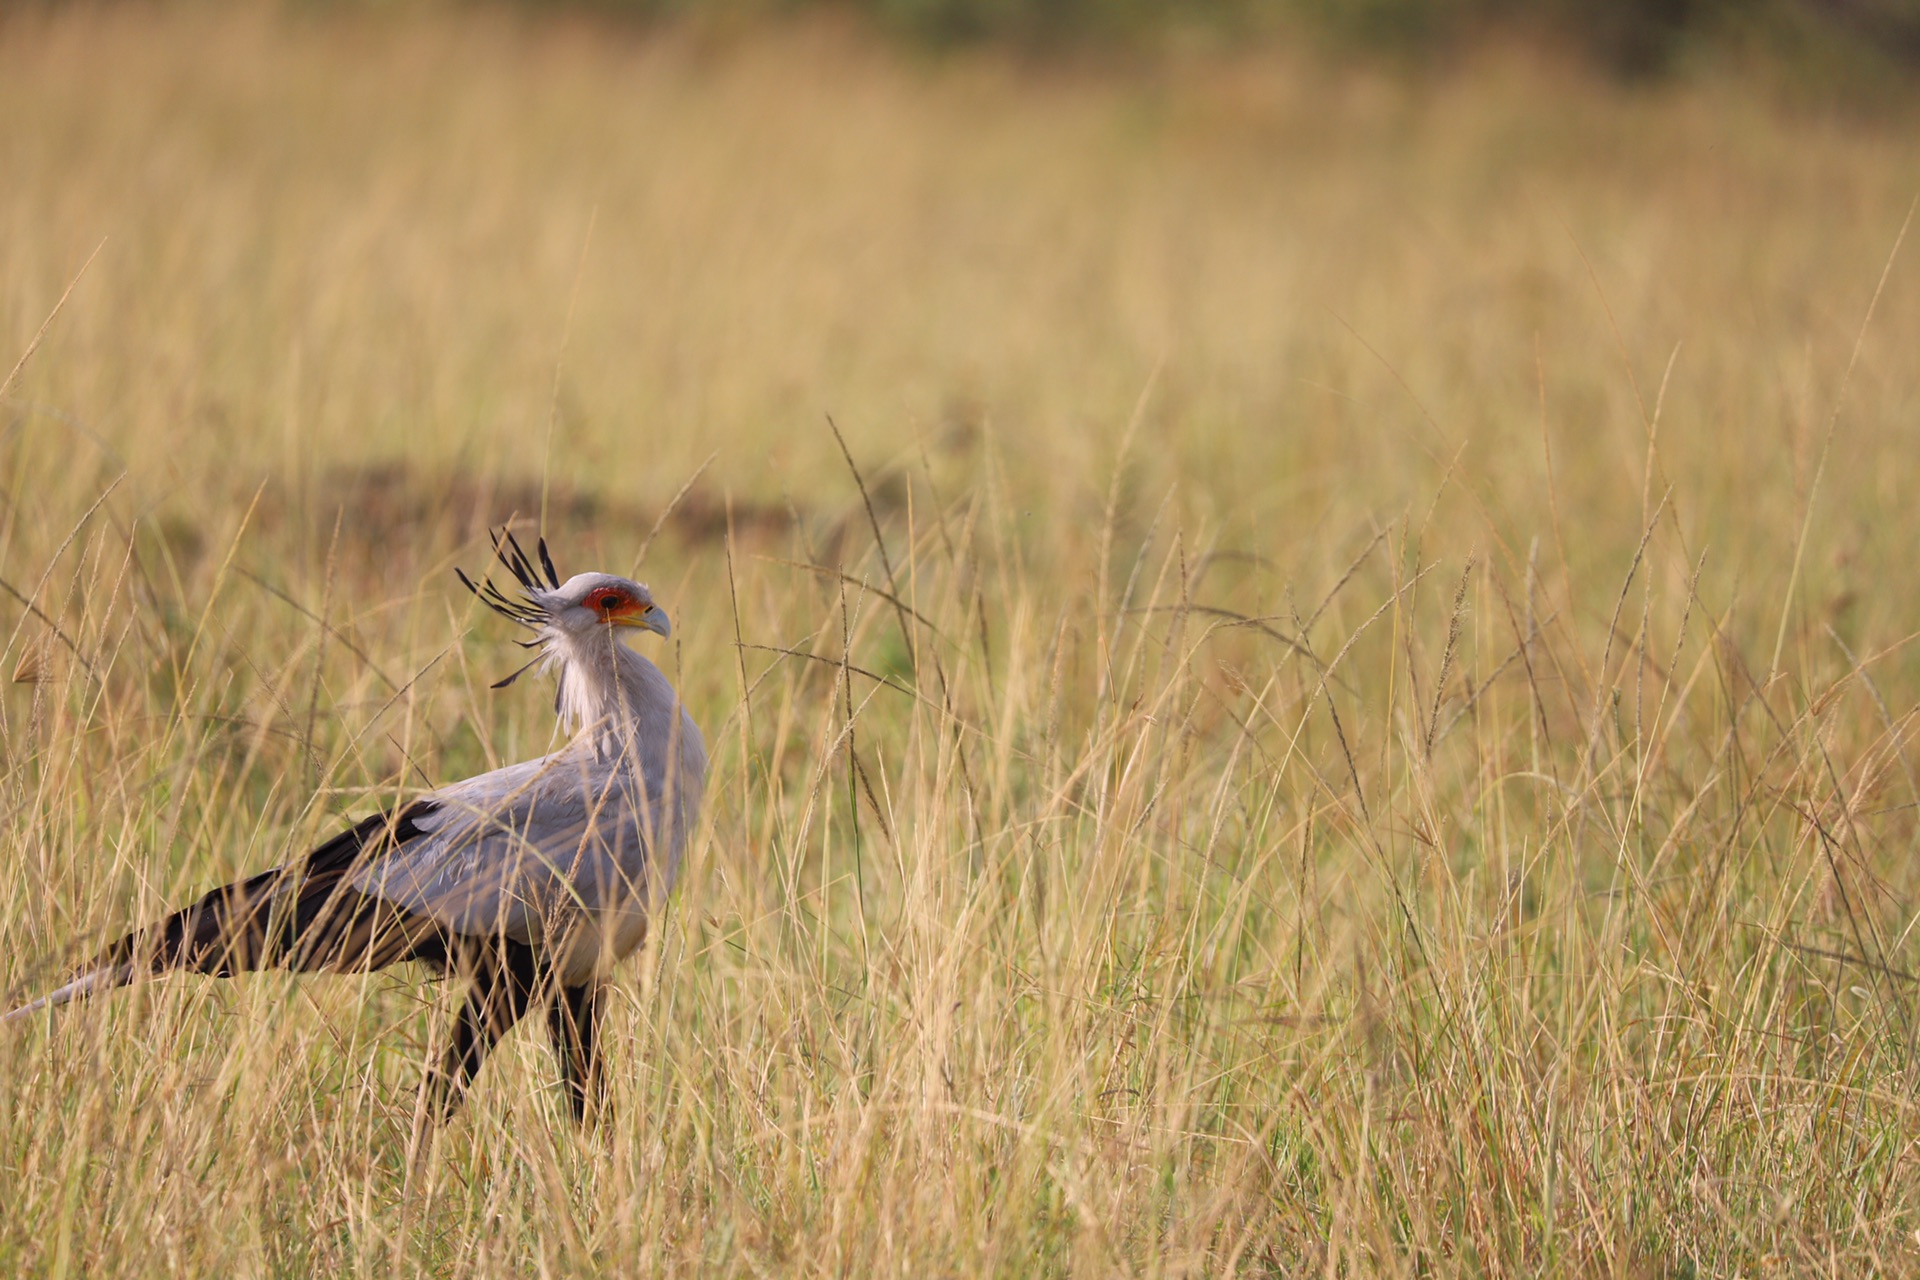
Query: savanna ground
point(1373, 737)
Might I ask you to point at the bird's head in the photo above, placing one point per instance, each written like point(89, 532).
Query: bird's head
point(588, 600)
point(573, 609)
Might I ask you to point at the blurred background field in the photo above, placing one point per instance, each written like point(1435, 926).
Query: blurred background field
point(1360, 723)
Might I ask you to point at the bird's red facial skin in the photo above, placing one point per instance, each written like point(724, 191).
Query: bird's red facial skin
point(609, 603)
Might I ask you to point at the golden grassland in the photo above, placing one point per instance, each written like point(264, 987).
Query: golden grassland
point(1377, 743)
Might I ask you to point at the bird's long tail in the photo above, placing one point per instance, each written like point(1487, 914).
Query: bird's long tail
point(223, 933)
point(304, 916)
point(102, 979)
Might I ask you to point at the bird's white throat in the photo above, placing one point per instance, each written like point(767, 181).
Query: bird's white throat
point(607, 693)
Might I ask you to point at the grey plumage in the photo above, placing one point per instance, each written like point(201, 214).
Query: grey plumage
point(560, 852)
point(528, 882)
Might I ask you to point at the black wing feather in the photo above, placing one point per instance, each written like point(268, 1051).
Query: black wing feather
point(303, 916)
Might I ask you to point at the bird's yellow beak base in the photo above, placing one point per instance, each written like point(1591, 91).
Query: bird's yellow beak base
point(646, 618)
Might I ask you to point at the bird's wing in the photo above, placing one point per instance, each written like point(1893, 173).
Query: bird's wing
point(523, 851)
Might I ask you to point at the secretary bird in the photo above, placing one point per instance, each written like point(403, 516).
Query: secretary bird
point(527, 883)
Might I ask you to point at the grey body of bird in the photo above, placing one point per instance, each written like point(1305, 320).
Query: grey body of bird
point(527, 882)
point(565, 852)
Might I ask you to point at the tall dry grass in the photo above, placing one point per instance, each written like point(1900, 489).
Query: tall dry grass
point(1346, 709)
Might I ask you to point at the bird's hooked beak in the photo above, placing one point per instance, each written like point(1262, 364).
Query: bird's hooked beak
point(648, 617)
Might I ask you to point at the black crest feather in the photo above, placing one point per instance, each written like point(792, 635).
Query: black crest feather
point(524, 610)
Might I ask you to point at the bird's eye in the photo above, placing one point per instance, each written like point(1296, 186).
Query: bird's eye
point(610, 603)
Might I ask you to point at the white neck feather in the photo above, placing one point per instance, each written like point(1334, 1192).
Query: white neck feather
point(609, 695)
point(622, 711)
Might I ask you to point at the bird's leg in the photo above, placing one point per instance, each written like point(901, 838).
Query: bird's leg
point(501, 992)
point(573, 1019)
